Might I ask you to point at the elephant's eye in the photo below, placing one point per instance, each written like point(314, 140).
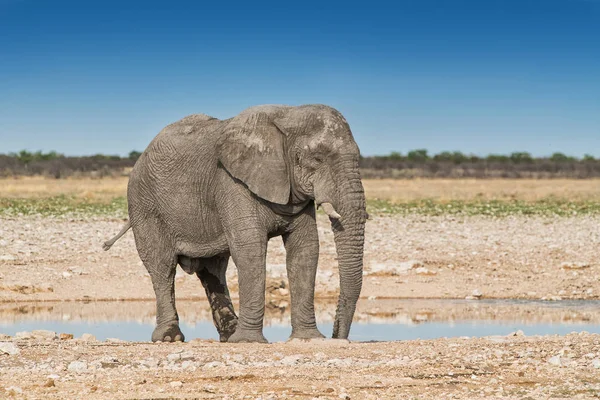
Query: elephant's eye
point(319, 159)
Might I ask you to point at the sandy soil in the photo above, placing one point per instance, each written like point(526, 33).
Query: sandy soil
point(512, 367)
point(386, 189)
point(405, 257)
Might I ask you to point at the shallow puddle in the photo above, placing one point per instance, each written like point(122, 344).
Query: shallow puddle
point(374, 319)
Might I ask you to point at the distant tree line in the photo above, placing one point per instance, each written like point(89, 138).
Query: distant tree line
point(53, 164)
point(418, 163)
point(414, 164)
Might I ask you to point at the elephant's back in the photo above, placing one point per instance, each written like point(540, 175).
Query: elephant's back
point(180, 157)
point(195, 124)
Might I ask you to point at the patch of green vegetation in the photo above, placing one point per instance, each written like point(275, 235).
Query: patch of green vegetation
point(549, 207)
point(63, 206)
point(117, 208)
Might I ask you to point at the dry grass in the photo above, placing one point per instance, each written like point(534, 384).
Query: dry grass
point(400, 191)
point(385, 189)
point(101, 190)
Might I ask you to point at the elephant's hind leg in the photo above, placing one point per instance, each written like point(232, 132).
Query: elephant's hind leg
point(159, 258)
point(212, 274)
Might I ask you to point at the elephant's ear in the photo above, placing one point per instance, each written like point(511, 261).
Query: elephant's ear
point(251, 149)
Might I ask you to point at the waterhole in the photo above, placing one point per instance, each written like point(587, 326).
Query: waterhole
point(375, 320)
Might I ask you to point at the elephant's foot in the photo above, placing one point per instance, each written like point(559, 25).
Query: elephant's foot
point(167, 333)
point(247, 336)
point(306, 333)
point(227, 330)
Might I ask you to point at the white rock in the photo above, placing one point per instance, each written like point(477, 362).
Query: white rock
point(188, 355)
point(44, 334)
point(88, 337)
point(9, 348)
point(24, 335)
point(291, 360)
point(7, 257)
point(476, 293)
point(213, 364)
point(555, 361)
point(66, 274)
point(424, 271)
point(408, 265)
point(574, 265)
point(174, 357)
point(596, 363)
point(12, 390)
point(176, 384)
point(53, 377)
point(77, 366)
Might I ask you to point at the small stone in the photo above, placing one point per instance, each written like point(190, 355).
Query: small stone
point(555, 361)
point(24, 335)
point(596, 363)
point(67, 275)
point(574, 265)
point(77, 366)
point(176, 384)
point(187, 355)
point(344, 396)
point(66, 336)
point(283, 291)
point(291, 360)
point(14, 390)
point(372, 298)
point(44, 334)
point(424, 271)
point(88, 337)
point(408, 265)
point(115, 340)
point(174, 357)
point(9, 348)
point(7, 257)
point(49, 383)
point(477, 294)
point(213, 364)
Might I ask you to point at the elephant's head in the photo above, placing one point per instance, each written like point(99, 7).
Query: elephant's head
point(288, 155)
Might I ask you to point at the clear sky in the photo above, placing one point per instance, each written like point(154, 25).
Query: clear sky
point(479, 76)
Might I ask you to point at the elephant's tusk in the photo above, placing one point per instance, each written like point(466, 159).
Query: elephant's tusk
point(328, 208)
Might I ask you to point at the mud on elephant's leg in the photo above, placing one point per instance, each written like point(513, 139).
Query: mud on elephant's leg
point(212, 274)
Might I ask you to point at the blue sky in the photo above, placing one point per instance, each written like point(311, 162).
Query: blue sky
point(493, 76)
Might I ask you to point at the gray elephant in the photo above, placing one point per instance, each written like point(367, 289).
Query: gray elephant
point(207, 189)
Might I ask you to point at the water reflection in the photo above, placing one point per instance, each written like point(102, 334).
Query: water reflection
point(374, 319)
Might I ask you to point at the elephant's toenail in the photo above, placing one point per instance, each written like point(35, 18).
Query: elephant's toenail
point(167, 338)
point(178, 338)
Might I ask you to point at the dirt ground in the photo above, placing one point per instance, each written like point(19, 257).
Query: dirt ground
point(496, 367)
point(405, 257)
point(385, 189)
point(46, 262)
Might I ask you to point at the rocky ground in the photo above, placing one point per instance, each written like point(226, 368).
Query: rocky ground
point(39, 366)
point(46, 261)
point(405, 257)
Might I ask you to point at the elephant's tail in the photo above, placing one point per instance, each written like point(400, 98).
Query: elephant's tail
point(108, 244)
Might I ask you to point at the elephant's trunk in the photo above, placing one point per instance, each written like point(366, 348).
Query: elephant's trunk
point(349, 235)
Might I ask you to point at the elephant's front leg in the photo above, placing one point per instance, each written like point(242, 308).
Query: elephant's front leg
point(248, 248)
point(302, 248)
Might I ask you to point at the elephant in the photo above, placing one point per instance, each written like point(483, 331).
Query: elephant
point(207, 189)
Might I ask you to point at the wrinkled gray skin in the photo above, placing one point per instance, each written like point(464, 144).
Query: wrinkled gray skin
point(206, 189)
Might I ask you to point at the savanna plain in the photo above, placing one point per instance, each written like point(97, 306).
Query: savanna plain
point(456, 245)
